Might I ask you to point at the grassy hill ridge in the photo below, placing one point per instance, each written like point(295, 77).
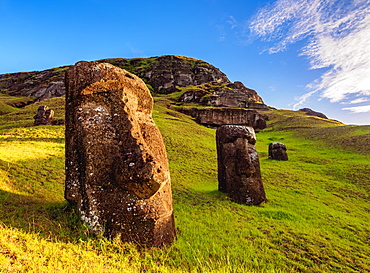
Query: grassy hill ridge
point(316, 219)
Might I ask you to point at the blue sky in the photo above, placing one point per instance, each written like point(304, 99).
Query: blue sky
point(294, 53)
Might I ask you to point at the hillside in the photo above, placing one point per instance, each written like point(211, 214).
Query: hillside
point(163, 75)
point(316, 219)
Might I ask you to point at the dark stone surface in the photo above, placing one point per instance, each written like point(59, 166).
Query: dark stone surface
point(277, 151)
point(44, 116)
point(238, 165)
point(116, 164)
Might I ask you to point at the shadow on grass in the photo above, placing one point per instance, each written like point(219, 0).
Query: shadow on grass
point(51, 220)
point(31, 198)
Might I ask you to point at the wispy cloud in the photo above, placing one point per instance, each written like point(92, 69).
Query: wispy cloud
point(356, 101)
point(232, 22)
point(338, 38)
point(358, 109)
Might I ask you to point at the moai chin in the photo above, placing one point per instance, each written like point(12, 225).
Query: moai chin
point(238, 165)
point(44, 116)
point(277, 151)
point(116, 164)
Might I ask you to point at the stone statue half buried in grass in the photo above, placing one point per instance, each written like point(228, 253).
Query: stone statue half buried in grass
point(277, 151)
point(44, 116)
point(116, 164)
point(238, 165)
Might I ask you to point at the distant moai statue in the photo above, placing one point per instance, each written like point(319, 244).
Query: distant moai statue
point(44, 116)
point(277, 151)
point(116, 163)
point(238, 165)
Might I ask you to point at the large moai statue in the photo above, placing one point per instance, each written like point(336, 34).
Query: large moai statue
point(277, 151)
point(238, 165)
point(44, 116)
point(116, 163)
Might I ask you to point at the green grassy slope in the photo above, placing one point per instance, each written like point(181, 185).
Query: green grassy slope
point(8, 103)
point(316, 219)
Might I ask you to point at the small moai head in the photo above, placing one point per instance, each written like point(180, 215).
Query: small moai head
point(277, 151)
point(44, 116)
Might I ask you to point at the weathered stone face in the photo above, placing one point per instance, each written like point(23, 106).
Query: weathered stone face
point(44, 116)
point(116, 164)
point(238, 165)
point(277, 151)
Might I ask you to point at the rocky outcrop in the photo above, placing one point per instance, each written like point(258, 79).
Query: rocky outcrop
point(44, 116)
point(219, 95)
point(205, 84)
point(215, 117)
point(238, 165)
point(310, 112)
point(166, 73)
point(116, 164)
point(277, 151)
point(38, 84)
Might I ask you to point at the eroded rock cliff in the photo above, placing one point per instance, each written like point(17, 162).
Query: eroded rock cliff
point(41, 85)
point(167, 73)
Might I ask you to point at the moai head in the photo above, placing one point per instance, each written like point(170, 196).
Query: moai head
point(277, 151)
point(44, 116)
point(238, 165)
point(116, 164)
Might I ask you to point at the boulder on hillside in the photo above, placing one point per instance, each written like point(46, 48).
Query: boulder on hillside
point(277, 151)
point(116, 164)
point(238, 165)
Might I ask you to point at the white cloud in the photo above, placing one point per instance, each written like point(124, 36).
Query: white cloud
point(302, 99)
point(232, 22)
point(359, 100)
point(338, 38)
point(358, 109)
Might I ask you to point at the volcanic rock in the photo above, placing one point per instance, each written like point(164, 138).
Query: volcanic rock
point(277, 151)
point(238, 165)
point(38, 84)
point(220, 95)
point(166, 73)
point(215, 117)
point(116, 164)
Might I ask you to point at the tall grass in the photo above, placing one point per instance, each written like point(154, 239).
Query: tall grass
point(316, 219)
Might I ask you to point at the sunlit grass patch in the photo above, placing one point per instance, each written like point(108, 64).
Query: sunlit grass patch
point(316, 219)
